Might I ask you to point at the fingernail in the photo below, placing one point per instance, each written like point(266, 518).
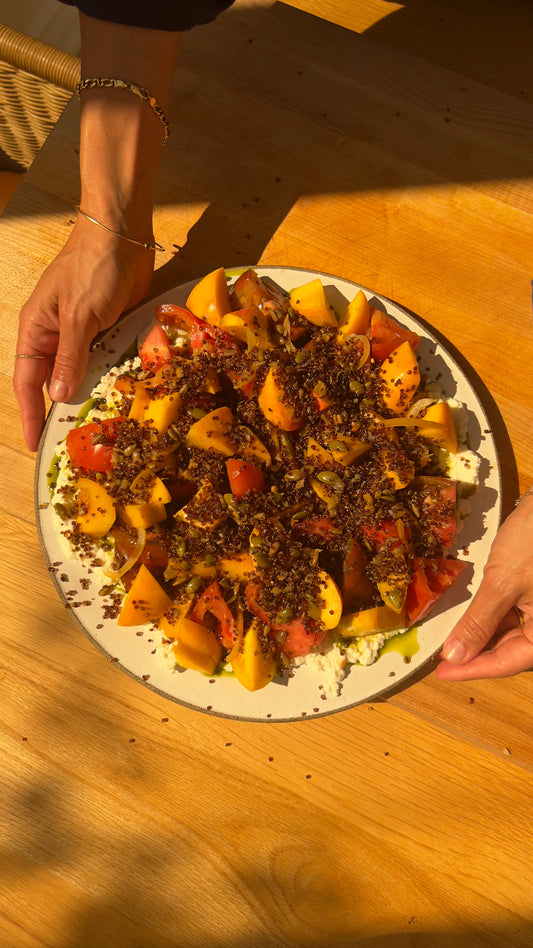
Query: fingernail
point(58, 390)
point(454, 651)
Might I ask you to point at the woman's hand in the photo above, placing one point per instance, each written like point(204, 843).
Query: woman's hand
point(494, 638)
point(97, 275)
point(84, 290)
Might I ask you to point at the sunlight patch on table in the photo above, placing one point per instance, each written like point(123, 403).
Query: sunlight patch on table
point(366, 14)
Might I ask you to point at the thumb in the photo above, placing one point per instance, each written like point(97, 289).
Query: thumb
point(476, 627)
point(70, 364)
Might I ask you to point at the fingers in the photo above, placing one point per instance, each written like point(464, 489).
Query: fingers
point(37, 337)
point(64, 340)
point(70, 364)
point(29, 377)
point(472, 633)
point(512, 655)
point(84, 290)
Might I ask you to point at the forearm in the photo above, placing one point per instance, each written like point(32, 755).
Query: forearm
point(121, 137)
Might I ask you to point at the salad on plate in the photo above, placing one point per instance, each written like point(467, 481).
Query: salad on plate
point(264, 482)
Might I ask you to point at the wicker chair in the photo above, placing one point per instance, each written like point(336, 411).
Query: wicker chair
point(36, 82)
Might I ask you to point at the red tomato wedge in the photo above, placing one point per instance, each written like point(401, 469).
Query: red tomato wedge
point(356, 586)
point(171, 314)
point(205, 336)
point(322, 528)
point(212, 601)
point(243, 477)
point(392, 533)
point(431, 578)
point(436, 499)
point(155, 351)
point(300, 635)
point(91, 446)
point(386, 335)
point(202, 334)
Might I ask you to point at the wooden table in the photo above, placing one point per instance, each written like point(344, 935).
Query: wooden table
point(390, 144)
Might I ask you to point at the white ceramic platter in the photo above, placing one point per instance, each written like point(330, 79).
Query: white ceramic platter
point(300, 696)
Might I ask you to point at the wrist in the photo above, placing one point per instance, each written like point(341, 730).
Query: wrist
point(120, 151)
point(122, 134)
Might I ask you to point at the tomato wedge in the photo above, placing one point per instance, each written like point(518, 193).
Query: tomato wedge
point(205, 336)
point(436, 499)
point(244, 477)
point(180, 317)
point(431, 578)
point(322, 529)
point(91, 446)
point(386, 335)
point(155, 351)
point(298, 636)
point(356, 586)
point(202, 335)
point(390, 533)
point(212, 601)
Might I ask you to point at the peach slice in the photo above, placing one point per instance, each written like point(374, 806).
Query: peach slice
point(446, 437)
point(398, 467)
point(99, 509)
point(148, 511)
point(219, 431)
point(146, 600)
point(356, 317)
point(141, 400)
point(194, 646)
point(239, 567)
point(310, 300)
point(213, 431)
point(209, 299)
point(274, 404)
point(161, 413)
point(249, 325)
point(330, 602)
point(401, 378)
point(253, 662)
point(370, 621)
point(348, 449)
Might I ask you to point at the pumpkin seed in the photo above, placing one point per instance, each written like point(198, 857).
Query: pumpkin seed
point(337, 446)
point(395, 597)
point(193, 585)
point(330, 479)
point(262, 561)
point(301, 515)
point(180, 547)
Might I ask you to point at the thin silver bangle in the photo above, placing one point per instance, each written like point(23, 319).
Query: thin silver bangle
point(140, 243)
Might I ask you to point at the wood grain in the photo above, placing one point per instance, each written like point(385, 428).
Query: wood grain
point(390, 144)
